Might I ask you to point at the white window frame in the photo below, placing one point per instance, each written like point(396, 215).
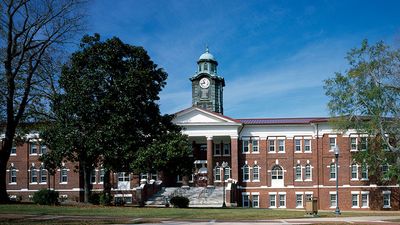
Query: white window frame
point(217, 150)
point(272, 198)
point(354, 171)
point(33, 173)
point(280, 194)
point(256, 171)
point(255, 146)
point(62, 176)
point(363, 141)
point(43, 173)
point(13, 150)
point(332, 145)
point(226, 149)
point(245, 146)
point(12, 175)
point(297, 145)
point(33, 145)
point(331, 201)
point(332, 165)
point(386, 195)
point(93, 176)
point(246, 171)
point(227, 173)
point(281, 145)
point(364, 170)
point(355, 143)
point(271, 147)
point(364, 193)
point(255, 200)
point(305, 173)
point(246, 196)
point(301, 205)
point(298, 177)
point(307, 145)
point(355, 197)
point(217, 173)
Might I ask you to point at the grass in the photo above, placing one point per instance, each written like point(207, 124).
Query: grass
point(35, 214)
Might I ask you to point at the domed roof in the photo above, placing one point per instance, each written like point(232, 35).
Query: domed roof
point(207, 56)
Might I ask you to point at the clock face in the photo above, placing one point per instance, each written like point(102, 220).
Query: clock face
point(204, 83)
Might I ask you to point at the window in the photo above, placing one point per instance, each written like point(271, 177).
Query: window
point(307, 145)
point(307, 175)
point(217, 173)
point(32, 148)
point(308, 196)
point(227, 149)
point(255, 145)
point(386, 199)
point(13, 150)
point(282, 201)
point(217, 149)
point(354, 171)
point(271, 145)
point(227, 173)
point(277, 173)
point(332, 143)
point(363, 144)
point(298, 172)
point(365, 200)
point(13, 175)
point(256, 173)
point(246, 173)
point(364, 172)
point(64, 175)
point(299, 201)
point(154, 176)
point(272, 200)
point(43, 149)
point(245, 146)
point(333, 200)
point(245, 197)
point(385, 169)
point(101, 175)
point(281, 145)
point(297, 145)
point(353, 144)
point(255, 201)
point(33, 173)
point(354, 200)
point(332, 169)
point(93, 177)
point(144, 176)
point(42, 175)
point(124, 176)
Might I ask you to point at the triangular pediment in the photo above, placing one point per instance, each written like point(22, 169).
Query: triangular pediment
point(196, 115)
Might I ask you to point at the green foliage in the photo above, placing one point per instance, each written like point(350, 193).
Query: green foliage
point(95, 198)
point(105, 199)
point(180, 202)
point(169, 153)
point(367, 98)
point(45, 197)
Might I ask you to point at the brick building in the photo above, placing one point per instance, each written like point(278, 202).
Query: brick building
point(266, 163)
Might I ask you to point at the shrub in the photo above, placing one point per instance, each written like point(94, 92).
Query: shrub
point(180, 202)
point(94, 198)
point(105, 199)
point(45, 197)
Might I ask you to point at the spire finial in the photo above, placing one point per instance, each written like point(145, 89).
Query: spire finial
point(207, 48)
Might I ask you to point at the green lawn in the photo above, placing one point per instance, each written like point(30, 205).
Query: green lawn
point(35, 214)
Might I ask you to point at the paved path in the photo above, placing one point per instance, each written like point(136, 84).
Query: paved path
point(384, 220)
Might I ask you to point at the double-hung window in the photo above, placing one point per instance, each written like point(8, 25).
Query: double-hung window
point(307, 174)
point(255, 146)
point(332, 170)
point(307, 145)
point(297, 145)
point(245, 148)
point(354, 171)
point(271, 145)
point(298, 172)
point(281, 147)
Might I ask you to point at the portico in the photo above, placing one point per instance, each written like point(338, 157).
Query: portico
point(214, 139)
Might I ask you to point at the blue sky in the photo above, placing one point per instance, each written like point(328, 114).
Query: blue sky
point(274, 55)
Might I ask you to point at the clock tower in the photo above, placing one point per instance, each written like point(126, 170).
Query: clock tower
point(207, 86)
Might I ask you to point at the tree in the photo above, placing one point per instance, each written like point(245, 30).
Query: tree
point(367, 98)
point(32, 34)
point(108, 110)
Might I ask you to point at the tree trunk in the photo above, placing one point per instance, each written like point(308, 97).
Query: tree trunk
point(5, 152)
point(3, 182)
point(106, 187)
point(86, 183)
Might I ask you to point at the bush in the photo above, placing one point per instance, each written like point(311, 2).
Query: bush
point(94, 198)
point(45, 197)
point(180, 202)
point(105, 199)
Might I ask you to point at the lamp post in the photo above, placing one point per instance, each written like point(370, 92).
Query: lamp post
point(336, 151)
point(224, 165)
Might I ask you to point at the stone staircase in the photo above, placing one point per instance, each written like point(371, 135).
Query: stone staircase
point(198, 196)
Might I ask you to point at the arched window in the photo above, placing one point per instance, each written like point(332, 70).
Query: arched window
point(217, 173)
point(246, 173)
point(13, 175)
point(256, 173)
point(364, 171)
point(307, 174)
point(33, 173)
point(332, 170)
point(298, 172)
point(42, 174)
point(277, 173)
point(354, 171)
point(227, 173)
